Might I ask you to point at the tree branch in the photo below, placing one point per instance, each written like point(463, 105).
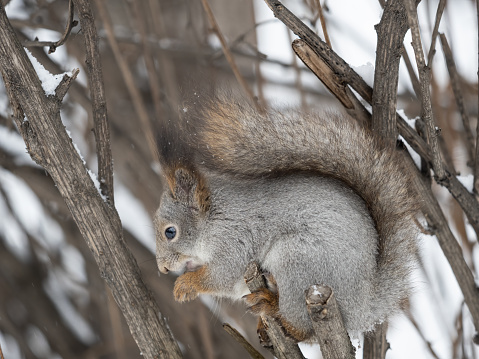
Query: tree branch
point(283, 347)
point(328, 323)
point(98, 99)
point(241, 340)
point(424, 78)
point(98, 222)
point(391, 30)
point(54, 44)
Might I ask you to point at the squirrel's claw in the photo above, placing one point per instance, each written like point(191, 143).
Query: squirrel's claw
point(262, 302)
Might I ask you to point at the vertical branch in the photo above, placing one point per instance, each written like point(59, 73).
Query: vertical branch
point(283, 347)
point(432, 48)
point(97, 89)
point(424, 78)
point(323, 23)
point(391, 30)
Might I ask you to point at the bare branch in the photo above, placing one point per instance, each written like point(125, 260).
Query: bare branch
point(391, 30)
point(450, 247)
point(241, 340)
point(424, 77)
point(65, 84)
point(54, 44)
point(328, 323)
point(98, 99)
point(432, 48)
point(375, 343)
point(284, 348)
point(323, 23)
point(329, 78)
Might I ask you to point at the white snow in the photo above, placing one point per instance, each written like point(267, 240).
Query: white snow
point(366, 72)
point(49, 82)
point(467, 181)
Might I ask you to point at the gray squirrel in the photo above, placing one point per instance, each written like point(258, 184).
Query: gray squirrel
point(312, 198)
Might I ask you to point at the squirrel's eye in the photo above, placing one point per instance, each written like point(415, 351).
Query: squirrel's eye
point(170, 233)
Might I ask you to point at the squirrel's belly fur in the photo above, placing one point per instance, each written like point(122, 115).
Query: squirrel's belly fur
point(314, 199)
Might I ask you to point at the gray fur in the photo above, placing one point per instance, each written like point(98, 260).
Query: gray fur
point(314, 199)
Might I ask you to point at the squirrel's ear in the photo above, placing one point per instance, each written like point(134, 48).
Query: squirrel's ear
point(189, 187)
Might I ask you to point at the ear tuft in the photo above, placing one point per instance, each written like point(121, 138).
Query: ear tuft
point(190, 188)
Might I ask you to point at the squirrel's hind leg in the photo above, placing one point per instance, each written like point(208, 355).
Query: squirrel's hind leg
point(265, 302)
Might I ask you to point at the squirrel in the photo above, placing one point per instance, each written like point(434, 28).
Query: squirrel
point(312, 198)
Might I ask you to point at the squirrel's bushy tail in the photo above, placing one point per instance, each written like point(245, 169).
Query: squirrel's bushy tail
point(234, 137)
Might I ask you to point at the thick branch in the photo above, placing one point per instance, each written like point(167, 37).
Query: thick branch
point(284, 348)
point(328, 323)
point(375, 343)
point(98, 222)
point(391, 30)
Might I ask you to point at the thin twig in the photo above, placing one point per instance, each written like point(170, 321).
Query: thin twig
point(241, 340)
point(54, 44)
point(65, 84)
point(424, 77)
point(323, 23)
point(412, 75)
point(456, 88)
point(135, 95)
point(98, 99)
point(228, 55)
point(283, 347)
point(298, 82)
point(432, 48)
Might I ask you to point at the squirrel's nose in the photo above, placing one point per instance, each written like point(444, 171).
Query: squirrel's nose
point(164, 270)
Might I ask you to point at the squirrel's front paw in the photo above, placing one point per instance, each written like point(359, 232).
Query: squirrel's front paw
point(185, 290)
point(263, 302)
